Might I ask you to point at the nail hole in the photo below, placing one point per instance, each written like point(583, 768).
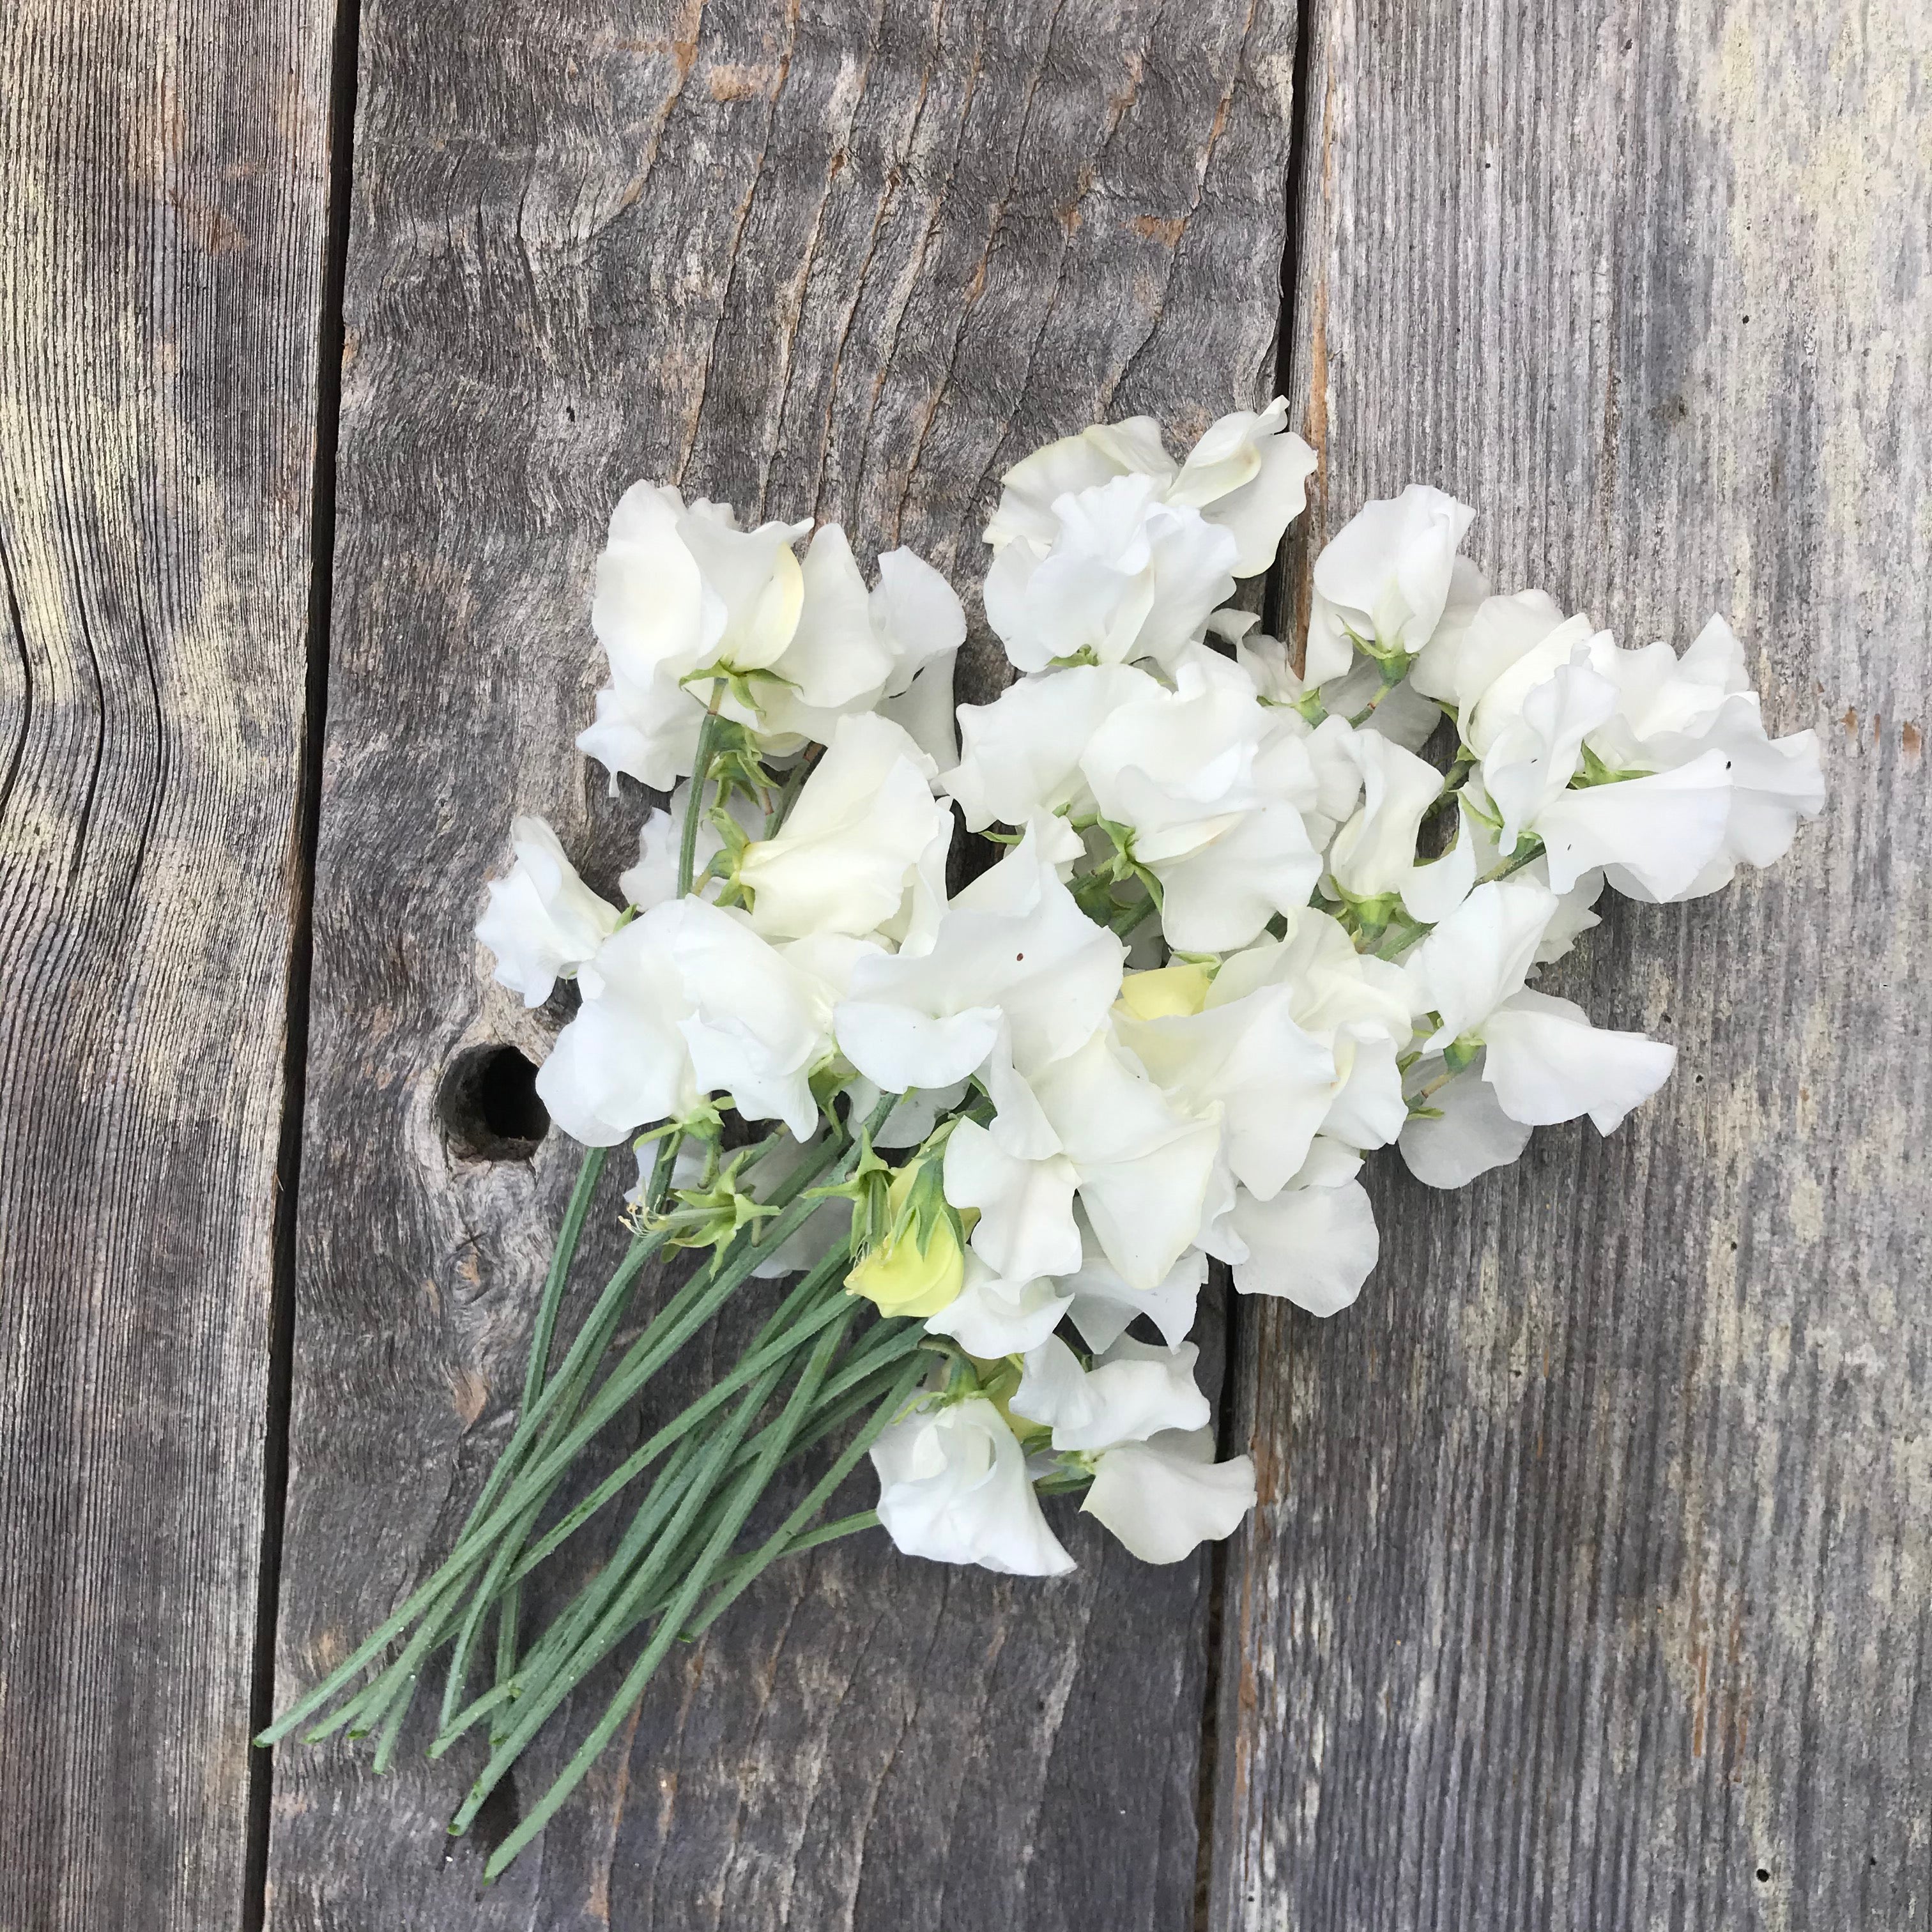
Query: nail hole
point(489, 1107)
point(1763, 1875)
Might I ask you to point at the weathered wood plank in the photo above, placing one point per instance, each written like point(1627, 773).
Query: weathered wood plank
point(161, 245)
point(820, 259)
point(1590, 1587)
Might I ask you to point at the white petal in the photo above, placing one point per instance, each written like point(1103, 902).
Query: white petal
point(647, 731)
point(1272, 1081)
point(1662, 830)
point(1479, 956)
point(1222, 894)
point(1547, 1063)
point(1164, 1498)
point(1104, 1305)
point(1026, 1223)
point(899, 1048)
point(1385, 575)
point(953, 1488)
point(991, 1316)
point(653, 879)
point(541, 921)
point(1473, 1136)
point(1022, 752)
point(843, 859)
point(1375, 852)
point(1314, 1246)
point(1132, 1392)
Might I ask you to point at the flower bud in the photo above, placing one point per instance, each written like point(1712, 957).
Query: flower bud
point(920, 1266)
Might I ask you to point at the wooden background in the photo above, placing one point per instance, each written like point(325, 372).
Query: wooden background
point(1590, 1587)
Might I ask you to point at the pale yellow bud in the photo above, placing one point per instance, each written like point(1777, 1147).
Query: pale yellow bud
point(902, 1278)
point(1167, 992)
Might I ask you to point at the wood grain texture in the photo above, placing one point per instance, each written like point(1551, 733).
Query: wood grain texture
point(839, 260)
point(161, 245)
point(1590, 1587)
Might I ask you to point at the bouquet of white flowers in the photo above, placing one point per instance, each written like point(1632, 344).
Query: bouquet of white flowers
point(1242, 933)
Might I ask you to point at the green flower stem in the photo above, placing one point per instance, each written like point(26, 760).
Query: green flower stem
point(694, 1305)
point(859, 1385)
point(782, 1336)
point(501, 1582)
point(463, 1557)
point(679, 1494)
point(786, 1540)
point(774, 1353)
point(751, 1486)
point(701, 776)
point(537, 1372)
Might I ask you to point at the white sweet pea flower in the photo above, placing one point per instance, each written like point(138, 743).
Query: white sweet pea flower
point(1132, 1391)
point(1314, 1243)
point(889, 650)
point(1356, 1008)
point(1249, 473)
point(1534, 755)
point(848, 850)
point(1162, 1498)
point(1026, 1227)
point(1090, 1123)
point(1544, 1061)
point(681, 591)
point(1013, 948)
point(1663, 831)
point(1672, 712)
point(1125, 575)
point(1375, 852)
point(1021, 754)
point(1658, 835)
point(991, 1316)
point(953, 1488)
point(1216, 822)
point(1384, 577)
point(1248, 1063)
point(1138, 1422)
point(542, 921)
point(648, 730)
point(1141, 1167)
point(1478, 957)
point(686, 1000)
point(1487, 667)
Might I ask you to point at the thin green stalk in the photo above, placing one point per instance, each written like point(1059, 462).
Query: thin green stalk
point(483, 1517)
point(540, 1700)
point(701, 776)
point(501, 1581)
point(750, 1488)
point(542, 1337)
point(781, 1543)
point(770, 1358)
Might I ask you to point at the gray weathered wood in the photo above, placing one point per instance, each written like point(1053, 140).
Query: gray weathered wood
point(823, 260)
point(1590, 1585)
point(161, 243)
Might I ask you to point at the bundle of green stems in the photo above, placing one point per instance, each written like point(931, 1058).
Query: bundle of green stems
point(811, 1370)
point(806, 1375)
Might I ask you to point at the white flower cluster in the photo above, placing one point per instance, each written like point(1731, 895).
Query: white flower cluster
point(1242, 933)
